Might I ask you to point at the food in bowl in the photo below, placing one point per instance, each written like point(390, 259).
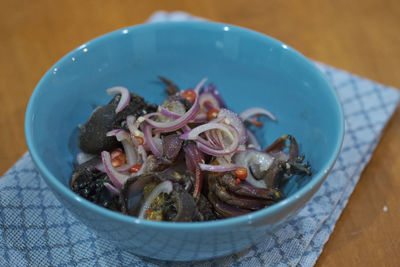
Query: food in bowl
point(249, 68)
point(188, 159)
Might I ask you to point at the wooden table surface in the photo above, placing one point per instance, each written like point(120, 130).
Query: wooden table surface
point(361, 36)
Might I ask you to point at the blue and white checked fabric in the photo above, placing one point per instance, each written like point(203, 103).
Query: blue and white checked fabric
point(36, 230)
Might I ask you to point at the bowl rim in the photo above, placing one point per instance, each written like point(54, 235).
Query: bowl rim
point(66, 192)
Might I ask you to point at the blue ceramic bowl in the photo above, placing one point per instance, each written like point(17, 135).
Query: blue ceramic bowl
point(249, 69)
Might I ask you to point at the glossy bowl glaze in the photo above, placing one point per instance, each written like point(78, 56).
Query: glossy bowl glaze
point(248, 68)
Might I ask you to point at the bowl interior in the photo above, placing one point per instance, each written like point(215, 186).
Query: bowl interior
point(248, 69)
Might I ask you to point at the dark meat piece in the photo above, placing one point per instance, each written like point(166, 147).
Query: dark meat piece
point(232, 200)
point(247, 190)
point(89, 184)
point(183, 206)
point(136, 107)
point(171, 147)
point(93, 139)
point(85, 169)
point(172, 144)
point(225, 210)
point(205, 208)
point(156, 164)
point(132, 193)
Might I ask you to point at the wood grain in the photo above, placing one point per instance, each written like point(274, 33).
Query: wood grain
point(361, 36)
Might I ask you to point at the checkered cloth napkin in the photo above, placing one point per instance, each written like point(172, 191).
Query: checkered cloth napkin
point(36, 230)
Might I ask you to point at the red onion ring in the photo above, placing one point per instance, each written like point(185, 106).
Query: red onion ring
point(130, 152)
point(170, 114)
point(253, 140)
point(213, 138)
point(118, 179)
point(148, 137)
point(129, 149)
point(199, 85)
point(125, 96)
point(142, 153)
point(217, 152)
point(246, 114)
point(182, 120)
point(123, 168)
point(171, 126)
point(195, 132)
point(113, 132)
point(236, 123)
point(217, 168)
point(130, 122)
point(230, 132)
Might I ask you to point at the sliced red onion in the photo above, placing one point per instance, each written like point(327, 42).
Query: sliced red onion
point(123, 168)
point(118, 179)
point(150, 140)
point(217, 168)
point(253, 140)
point(221, 152)
point(82, 157)
point(120, 134)
point(131, 154)
point(171, 126)
point(245, 115)
point(220, 138)
point(195, 132)
point(186, 128)
point(198, 119)
point(164, 187)
point(169, 113)
point(182, 120)
point(214, 139)
point(125, 96)
point(142, 169)
point(230, 132)
point(199, 85)
point(133, 127)
point(113, 132)
point(129, 149)
point(193, 157)
point(130, 122)
point(142, 153)
point(112, 189)
point(233, 119)
point(217, 152)
point(241, 148)
point(206, 142)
